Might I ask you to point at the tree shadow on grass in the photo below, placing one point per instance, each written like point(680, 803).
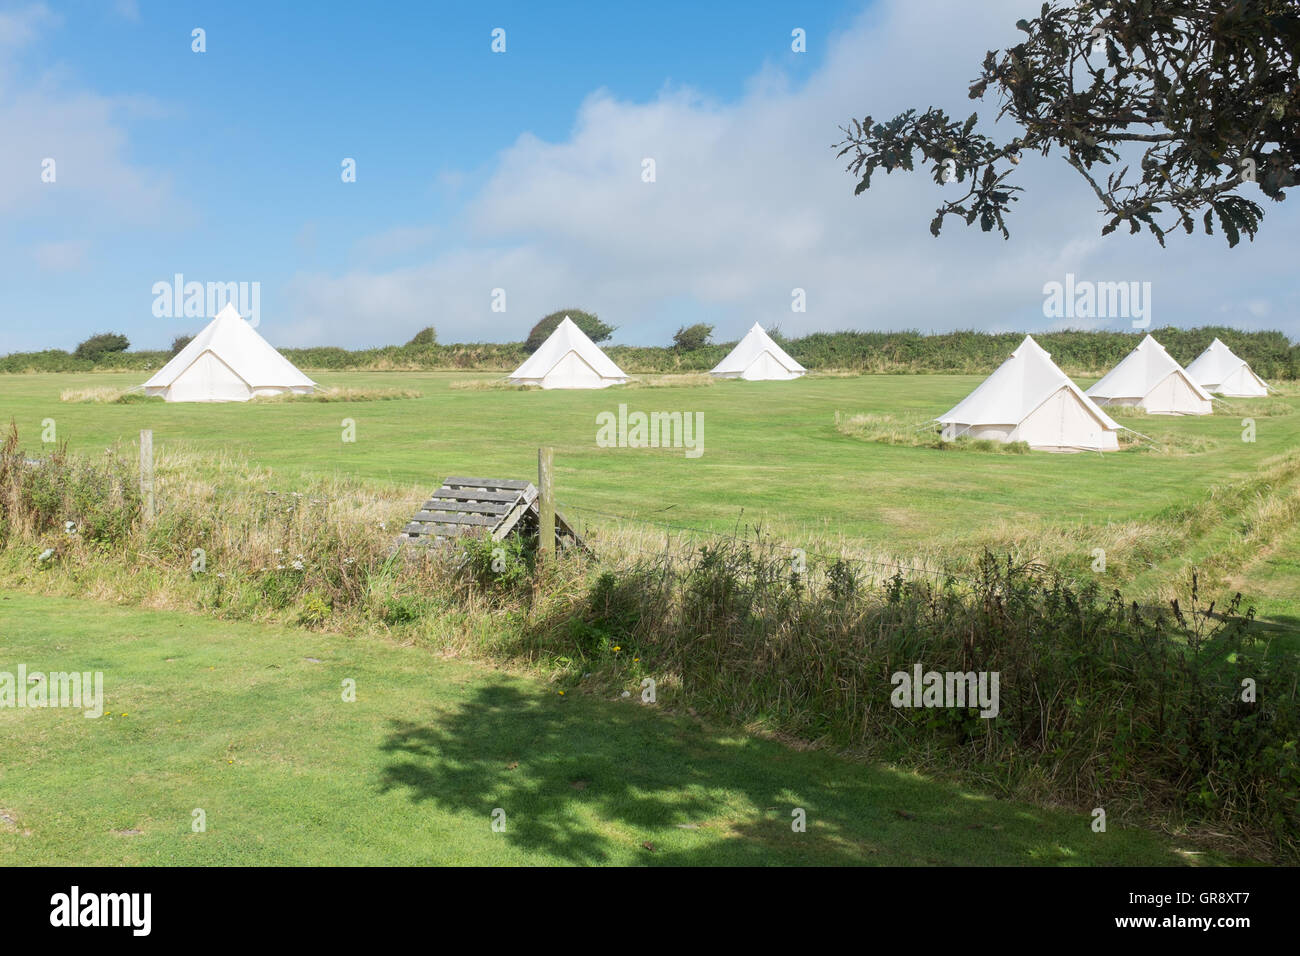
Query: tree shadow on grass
point(591, 781)
point(1280, 625)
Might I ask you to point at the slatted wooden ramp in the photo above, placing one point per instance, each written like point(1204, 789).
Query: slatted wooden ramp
point(497, 507)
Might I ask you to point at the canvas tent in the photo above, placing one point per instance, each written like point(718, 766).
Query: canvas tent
point(227, 362)
point(1149, 378)
point(757, 358)
point(568, 359)
point(1217, 369)
point(1029, 399)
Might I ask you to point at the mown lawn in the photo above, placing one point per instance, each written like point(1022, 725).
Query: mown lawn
point(248, 724)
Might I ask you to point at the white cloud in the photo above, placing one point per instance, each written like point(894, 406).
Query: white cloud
point(751, 202)
point(82, 132)
point(396, 242)
point(93, 178)
point(67, 255)
point(453, 293)
point(20, 27)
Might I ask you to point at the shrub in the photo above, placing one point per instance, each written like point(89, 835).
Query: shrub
point(179, 343)
point(94, 500)
point(426, 336)
point(595, 329)
point(315, 610)
point(401, 609)
point(98, 346)
point(502, 566)
point(614, 607)
point(688, 338)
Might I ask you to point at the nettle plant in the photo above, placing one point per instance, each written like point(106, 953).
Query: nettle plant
point(1169, 110)
point(502, 566)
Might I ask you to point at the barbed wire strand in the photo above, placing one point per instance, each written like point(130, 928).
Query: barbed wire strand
point(733, 536)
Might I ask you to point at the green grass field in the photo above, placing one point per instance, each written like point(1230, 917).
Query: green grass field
point(772, 457)
point(248, 724)
point(235, 718)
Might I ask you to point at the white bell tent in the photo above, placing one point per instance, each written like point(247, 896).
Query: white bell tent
point(1217, 369)
point(1029, 399)
point(568, 359)
point(757, 358)
point(1149, 378)
point(227, 362)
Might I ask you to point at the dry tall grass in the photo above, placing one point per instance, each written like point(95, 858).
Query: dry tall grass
point(890, 430)
point(105, 395)
point(343, 395)
point(672, 380)
point(488, 384)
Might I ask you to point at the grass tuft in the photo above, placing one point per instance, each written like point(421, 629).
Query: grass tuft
point(488, 384)
point(673, 380)
point(343, 395)
point(889, 430)
point(104, 395)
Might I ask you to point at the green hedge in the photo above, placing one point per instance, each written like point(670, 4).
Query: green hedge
point(1270, 354)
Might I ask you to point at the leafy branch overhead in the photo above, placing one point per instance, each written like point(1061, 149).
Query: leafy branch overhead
point(1170, 110)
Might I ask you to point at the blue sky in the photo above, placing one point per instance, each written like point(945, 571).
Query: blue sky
point(478, 171)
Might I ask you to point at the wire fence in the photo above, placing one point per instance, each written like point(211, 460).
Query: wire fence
point(891, 568)
point(641, 521)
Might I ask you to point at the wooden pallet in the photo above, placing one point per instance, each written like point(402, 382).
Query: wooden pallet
point(496, 507)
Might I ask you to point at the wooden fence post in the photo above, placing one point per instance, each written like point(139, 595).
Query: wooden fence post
point(146, 474)
point(545, 504)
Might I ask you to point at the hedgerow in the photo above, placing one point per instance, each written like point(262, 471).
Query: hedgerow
point(1270, 354)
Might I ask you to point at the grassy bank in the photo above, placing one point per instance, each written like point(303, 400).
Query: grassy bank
point(248, 725)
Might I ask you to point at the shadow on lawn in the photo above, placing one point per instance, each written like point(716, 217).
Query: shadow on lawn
point(540, 757)
point(1287, 625)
